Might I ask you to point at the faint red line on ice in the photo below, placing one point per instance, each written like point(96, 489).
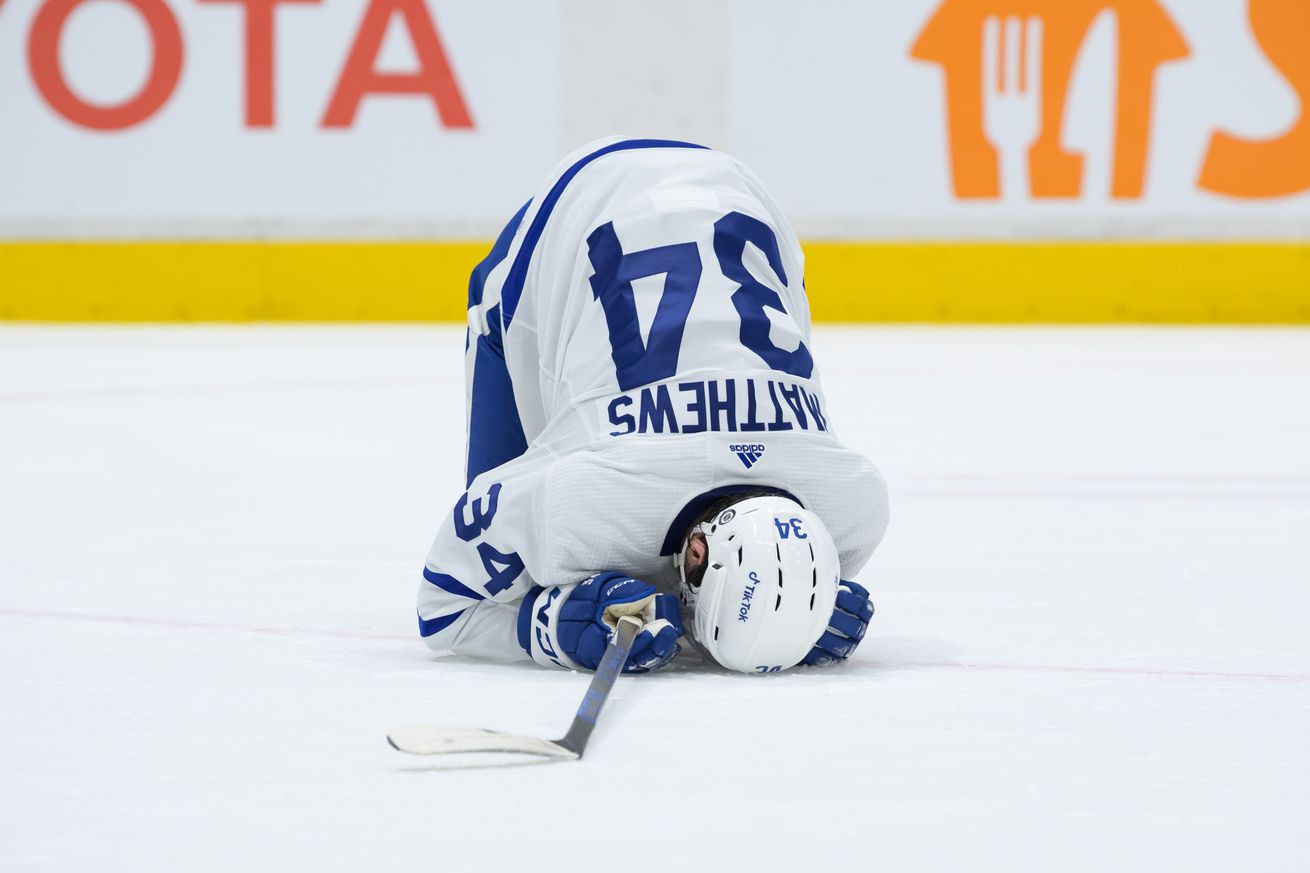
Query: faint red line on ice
point(284, 631)
point(1164, 672)
point(192, 624)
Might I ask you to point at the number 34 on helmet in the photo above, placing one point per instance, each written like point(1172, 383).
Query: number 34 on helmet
point(769, 585)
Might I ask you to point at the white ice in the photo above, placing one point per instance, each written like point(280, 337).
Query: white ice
point(1091, 652)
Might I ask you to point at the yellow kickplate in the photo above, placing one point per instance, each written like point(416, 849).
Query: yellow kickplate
point(1066, 283)
point(236, 281)
point(1046, 282)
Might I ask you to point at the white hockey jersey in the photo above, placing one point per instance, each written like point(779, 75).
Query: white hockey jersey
point(656, 333)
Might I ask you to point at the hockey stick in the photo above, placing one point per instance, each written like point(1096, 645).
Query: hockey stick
point(444, 741)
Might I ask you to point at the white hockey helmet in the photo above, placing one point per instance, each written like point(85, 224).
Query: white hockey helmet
point(769, 586)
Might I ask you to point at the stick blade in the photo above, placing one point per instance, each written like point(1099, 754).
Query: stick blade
point(449, 741)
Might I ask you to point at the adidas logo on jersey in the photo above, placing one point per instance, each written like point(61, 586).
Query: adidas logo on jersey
point(748, 453)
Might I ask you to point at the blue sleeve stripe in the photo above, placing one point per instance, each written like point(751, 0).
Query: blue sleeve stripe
point(518, 272)
point(525, 618)
point(451, 584)
point(429, 626)
point(478, 279)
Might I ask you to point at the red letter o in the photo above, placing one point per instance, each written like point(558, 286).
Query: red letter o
point(165, 66)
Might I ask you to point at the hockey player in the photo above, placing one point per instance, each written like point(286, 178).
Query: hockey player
point(647, 434)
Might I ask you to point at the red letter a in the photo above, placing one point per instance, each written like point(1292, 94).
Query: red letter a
point(434, 76)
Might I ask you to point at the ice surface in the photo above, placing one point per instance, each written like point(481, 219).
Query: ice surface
point(1092, 647)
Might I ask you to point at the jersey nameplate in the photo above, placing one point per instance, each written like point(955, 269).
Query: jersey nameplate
point(729, 405)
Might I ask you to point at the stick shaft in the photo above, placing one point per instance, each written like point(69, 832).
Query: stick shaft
point(611, 664)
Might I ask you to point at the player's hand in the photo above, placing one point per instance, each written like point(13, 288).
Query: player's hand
point(570, 625)
point(850, 620)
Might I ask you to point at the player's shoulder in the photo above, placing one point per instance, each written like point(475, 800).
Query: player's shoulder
point(599, 162)
point(619, 146)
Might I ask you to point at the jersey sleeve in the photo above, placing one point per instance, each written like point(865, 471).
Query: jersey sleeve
point(481, 564)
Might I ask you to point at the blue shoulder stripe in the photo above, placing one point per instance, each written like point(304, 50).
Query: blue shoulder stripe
point(429, 626)
point(478, 279)
point(451, 584)
point(518, 271)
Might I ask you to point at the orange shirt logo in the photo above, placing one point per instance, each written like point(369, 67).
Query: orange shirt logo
point(1014, 70)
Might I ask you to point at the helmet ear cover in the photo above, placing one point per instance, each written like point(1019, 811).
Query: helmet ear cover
point(764, 593)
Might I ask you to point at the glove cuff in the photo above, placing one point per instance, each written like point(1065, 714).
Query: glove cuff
point(537, 624)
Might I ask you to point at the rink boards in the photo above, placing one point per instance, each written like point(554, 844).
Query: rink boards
point(848, 281)
point(173, 161)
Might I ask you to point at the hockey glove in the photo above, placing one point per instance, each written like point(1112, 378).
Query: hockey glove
point(570, 625)
point(846, 628)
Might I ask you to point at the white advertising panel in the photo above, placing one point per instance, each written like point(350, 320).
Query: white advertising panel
point(176, 117)
point(1048, 117)
point(905, 119)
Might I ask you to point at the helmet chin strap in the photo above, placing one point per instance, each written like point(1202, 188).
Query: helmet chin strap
point(687, 597)
point(690, 636)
